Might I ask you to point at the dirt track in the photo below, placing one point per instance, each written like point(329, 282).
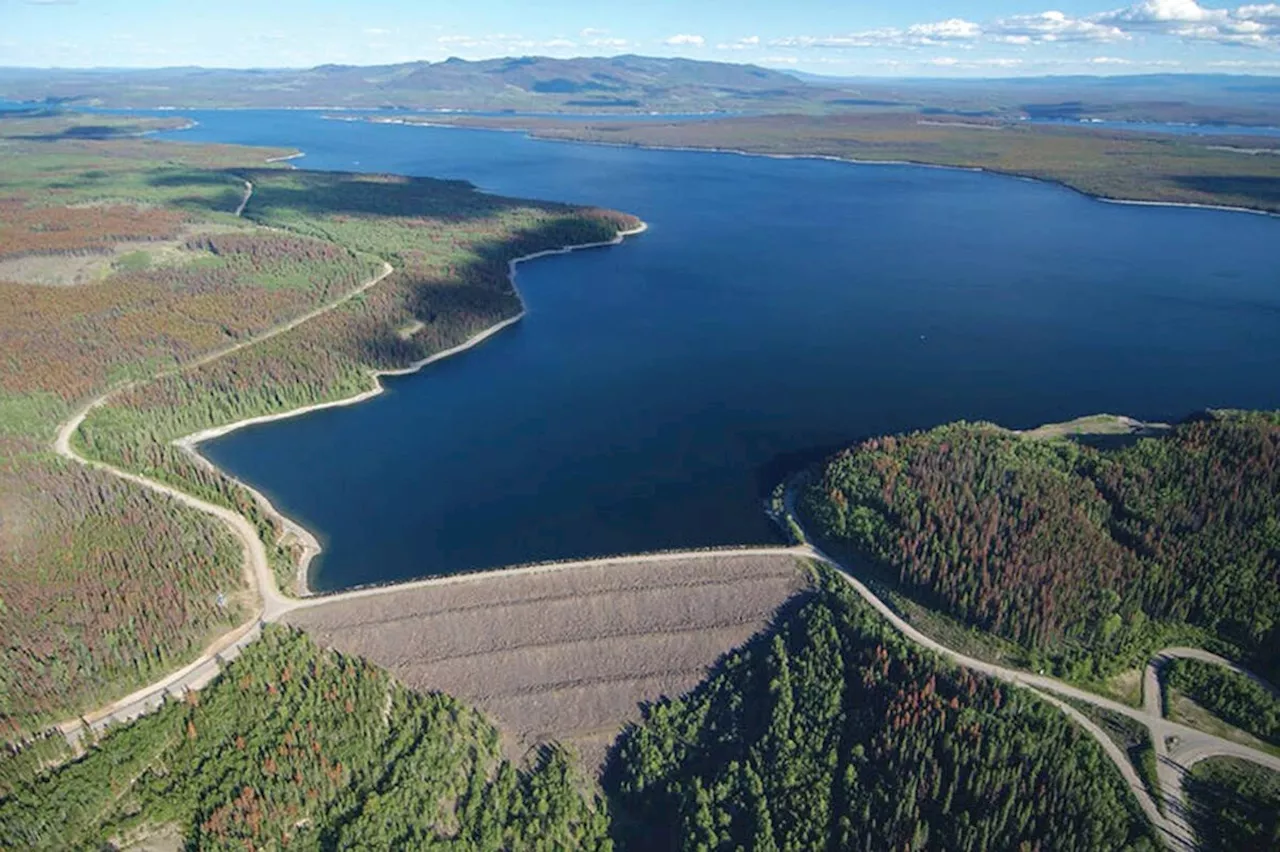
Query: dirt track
point(565, 655)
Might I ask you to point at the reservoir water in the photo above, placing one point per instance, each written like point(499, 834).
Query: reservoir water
point(775, 308)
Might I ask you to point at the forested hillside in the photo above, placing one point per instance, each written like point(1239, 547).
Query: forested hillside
point(119, 256)
point(122, 259)
point(834, 733)
point(831, 732)
point(449, 247)
point(301, 748)
point(1087, 558)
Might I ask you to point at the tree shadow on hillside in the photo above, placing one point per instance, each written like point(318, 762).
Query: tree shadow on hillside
point(470, 297)
point(280, 193)
point(631, 834)
point(1262, 189)
point(80, 133)
point(785, 465)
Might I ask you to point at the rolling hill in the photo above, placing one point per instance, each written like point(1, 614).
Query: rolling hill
point(626, 82)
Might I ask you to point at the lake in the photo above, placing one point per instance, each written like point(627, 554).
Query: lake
point(775, 309)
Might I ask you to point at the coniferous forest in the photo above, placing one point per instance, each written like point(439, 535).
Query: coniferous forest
point(1088, 558)
point(828, 732)
point(1235, 806)
point(295, 747)
point(835, 733)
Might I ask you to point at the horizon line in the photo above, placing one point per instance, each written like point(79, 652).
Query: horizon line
point(792, 72)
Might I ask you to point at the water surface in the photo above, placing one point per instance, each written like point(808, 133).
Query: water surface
point(775, 307)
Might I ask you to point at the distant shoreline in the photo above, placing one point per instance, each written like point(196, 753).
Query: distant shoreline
point(532, 134)
point(311, 546)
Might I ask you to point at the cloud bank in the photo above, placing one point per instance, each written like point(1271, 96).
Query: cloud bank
point(1254, 25)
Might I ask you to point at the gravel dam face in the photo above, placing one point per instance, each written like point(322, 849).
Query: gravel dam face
point(564, 655)
point(775, 309)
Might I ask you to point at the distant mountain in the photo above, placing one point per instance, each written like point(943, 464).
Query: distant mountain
point(631, 83)
point(635, 84)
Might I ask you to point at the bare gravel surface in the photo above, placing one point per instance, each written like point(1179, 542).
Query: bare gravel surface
point(565, 655)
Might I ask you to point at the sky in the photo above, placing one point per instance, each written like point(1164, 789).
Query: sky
point(834, 37)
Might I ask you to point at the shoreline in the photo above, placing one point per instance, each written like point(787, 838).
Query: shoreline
point(1105, 199)
point(311, 546)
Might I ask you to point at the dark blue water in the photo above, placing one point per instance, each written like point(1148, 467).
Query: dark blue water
point(656, 390)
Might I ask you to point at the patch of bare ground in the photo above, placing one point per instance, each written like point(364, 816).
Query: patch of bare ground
point(164, 838)
point(411, 329)
point(565, 655)
point(1097, 425)
point(90, 267)
point(1126, 687)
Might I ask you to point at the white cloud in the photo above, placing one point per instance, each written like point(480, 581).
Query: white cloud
point(607, 42)
point(1163, 12)
point(1110, 60)
point(950, 31)
point(1268, 13)
point(559, 44)
point(592, 32)
point(685, 40)
point(748, 43)
point(1253, 25)
point(1051, 26)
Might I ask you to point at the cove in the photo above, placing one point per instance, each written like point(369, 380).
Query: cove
point(775, 309)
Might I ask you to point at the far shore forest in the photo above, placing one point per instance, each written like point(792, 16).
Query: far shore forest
point(123, 263)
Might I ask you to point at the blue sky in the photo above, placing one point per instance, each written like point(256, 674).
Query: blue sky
point(907, 37)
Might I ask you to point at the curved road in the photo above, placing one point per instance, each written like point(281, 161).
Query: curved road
point(274, 604)
point(1152, 695)
point(257, 566)
point(1178, 747)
